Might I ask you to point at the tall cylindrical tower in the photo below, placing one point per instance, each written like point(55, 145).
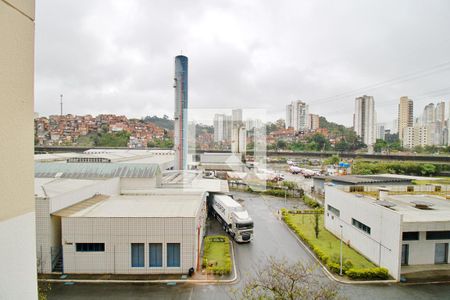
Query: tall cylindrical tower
point(181, 105)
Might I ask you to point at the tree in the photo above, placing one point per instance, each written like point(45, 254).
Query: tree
point(380, 145)
point(278, 279)
point(333, 160)
point(316, 225)
point(281, 144)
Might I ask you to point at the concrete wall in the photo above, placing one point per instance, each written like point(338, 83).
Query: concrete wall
point(382, 246)
point(421, 252)
point(118, 234)
point(17, 247)
point(48, 227)
point(139, 184)
point(106, 187)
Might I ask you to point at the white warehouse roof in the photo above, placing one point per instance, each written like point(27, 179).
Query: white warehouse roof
point(439, 210)
point(159, 205)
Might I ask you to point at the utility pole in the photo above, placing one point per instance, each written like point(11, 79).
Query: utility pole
point(340, 252)
point(61, 103)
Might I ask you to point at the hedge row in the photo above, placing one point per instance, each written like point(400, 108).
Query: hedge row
point(217, 269)
point(310, 202)
point(347, 266)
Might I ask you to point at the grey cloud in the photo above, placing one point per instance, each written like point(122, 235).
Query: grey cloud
point(117, 56)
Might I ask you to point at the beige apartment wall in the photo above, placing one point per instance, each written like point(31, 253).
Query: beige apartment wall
point(16, 113)
point(18, 278)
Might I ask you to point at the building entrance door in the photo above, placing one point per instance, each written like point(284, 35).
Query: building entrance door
point(441, 253)
point(405, 254)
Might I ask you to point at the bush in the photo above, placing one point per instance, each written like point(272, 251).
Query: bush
point(334, 267)
point(213, 266)
point(276, 193)
point(368, 274)
point(310, 202)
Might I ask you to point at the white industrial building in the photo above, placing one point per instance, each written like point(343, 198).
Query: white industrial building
point(404, 229)
point(120, 218)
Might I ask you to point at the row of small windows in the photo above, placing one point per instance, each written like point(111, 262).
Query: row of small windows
point(137, 253)
point(88, 160)
point(430, 235)
point(334, 210)
point(361, 226)
point(90, 247)
point(155, 255)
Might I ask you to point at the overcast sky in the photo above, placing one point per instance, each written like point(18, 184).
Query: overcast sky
point(118, 56)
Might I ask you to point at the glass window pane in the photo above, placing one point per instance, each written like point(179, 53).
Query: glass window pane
point(137, 255)
point(173, 254)
point(155, 253)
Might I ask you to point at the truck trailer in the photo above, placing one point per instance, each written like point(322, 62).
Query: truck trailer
point(233, 217)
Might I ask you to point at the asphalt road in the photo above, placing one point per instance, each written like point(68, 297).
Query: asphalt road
point(271, 239)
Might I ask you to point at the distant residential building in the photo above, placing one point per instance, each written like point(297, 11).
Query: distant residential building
point(313, 121)
point(408, 137)
point(405, 115)
point(394, 126)
point(418, 136)
point(429, 116)
point(238, 133)
point(222, 128)
point(364, 119)
point(380, 131)
point(440, 112)
point(297, 115)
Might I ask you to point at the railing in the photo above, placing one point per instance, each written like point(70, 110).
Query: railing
point(56, 254)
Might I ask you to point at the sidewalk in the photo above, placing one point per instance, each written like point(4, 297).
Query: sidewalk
point(198, 277)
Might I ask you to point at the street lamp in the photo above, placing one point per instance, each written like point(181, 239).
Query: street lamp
point(340, 267)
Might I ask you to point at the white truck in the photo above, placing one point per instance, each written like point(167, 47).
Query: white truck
point(233, 217)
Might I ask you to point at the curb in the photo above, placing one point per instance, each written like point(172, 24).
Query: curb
point(195, 281)
point(327, 272)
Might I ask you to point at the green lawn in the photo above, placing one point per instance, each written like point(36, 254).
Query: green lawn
point(441, 180)
point(327, 242)
point(216, 254)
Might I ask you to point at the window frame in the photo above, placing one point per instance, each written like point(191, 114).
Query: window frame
point(334, 210)
point(361, 226)
point(150, 252)
point(169, 248)
point(138, 265)
point(410, 236)
point(89, 247)
point(438, 235)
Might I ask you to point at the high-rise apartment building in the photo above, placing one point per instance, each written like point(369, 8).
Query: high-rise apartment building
point(429, 116)
point(313, 122)
point(405, 115)
point(364, 119)
point(181, 118)
point(297, 115)
point(440, 113)
point(238, 133)
point(222, 128)
point(380, 131)
point(17, 207)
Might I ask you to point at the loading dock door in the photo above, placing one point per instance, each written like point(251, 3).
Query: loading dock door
point(440, 253)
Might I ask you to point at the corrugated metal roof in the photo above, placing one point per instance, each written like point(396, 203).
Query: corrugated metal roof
point(95, 170)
